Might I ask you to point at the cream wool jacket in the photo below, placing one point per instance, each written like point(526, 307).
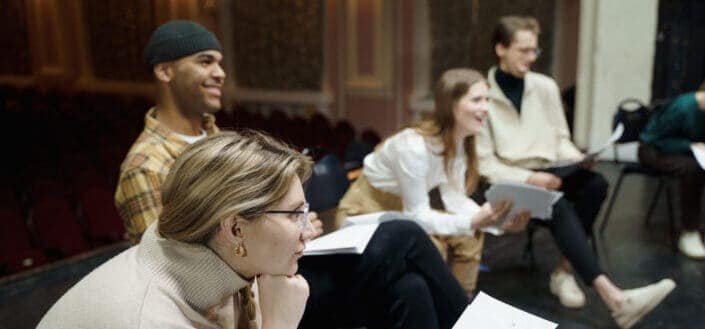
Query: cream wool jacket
point(158, 283)
point(510, 146)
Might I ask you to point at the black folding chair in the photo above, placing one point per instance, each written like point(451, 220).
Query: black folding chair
point(634, 115)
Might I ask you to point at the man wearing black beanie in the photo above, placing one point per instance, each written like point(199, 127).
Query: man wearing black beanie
point(400, 281)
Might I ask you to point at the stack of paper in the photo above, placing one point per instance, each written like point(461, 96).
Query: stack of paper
point(538, 200)
point(486, 312)
point(348, 240)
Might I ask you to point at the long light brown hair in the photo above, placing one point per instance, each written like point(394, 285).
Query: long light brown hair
point(450, 87)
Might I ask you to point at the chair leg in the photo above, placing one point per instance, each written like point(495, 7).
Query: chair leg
point(659, 187)
point(610, 204)
point(671, 216)
point(529, 249)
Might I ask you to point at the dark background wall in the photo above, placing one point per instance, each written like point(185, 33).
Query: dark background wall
point(14, 38)
point(679, 65)
point(462, 31)
point(278, 44)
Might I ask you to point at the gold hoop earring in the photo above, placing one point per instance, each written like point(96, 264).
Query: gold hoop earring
point(240, 250)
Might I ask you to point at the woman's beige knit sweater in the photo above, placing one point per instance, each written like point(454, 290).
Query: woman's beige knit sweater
point(159, 283)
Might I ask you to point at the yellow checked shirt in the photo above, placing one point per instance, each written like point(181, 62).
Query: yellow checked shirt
point(138, 195)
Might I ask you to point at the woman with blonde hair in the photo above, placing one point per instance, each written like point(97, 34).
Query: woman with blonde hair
point(437, 153)
point(234, 210)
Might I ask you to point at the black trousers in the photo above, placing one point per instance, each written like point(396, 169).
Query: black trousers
point(573, 217)
point(691, 182)
point(400, 281)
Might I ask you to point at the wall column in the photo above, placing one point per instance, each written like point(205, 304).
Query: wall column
point(615, 60)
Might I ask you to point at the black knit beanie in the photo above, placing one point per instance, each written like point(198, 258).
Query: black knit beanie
point(176, 39)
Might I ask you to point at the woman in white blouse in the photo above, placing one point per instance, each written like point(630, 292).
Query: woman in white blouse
point(437, 153)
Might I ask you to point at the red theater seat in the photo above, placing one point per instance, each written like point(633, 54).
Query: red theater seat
point(57, 227)
point(103, 224)
point(16, 252)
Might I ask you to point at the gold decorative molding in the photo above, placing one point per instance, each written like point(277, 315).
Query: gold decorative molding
point(49, 40)
point(377, 81)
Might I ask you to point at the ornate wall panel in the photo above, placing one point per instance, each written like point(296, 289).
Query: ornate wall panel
point(451, 35)
point(14, 38)
point(116, 32)
point(278, 44)
point(461, 31)
point(368, 51)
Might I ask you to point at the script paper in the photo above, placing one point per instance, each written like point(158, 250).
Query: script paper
point(486, 312)
point(349, 240)
point(375, 217)
point(566, 167)
point(699, 154)
point(538, 200)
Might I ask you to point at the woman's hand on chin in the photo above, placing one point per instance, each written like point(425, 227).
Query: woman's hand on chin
point(282, 300)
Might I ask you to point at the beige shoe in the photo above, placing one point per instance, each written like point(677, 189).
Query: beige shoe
point(691, 245)
point(639, 302)
point(564, 286)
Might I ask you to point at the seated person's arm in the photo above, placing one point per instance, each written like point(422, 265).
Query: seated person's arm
point(668, 138)
point(664, 131)
point(485, 215)
point(491, 166)
point(411, 171)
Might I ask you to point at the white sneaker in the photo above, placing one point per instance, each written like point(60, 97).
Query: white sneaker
point(639, 302)
point(564, 286)
point(691, 245)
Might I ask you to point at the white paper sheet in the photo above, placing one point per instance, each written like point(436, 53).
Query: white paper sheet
point(370, 218)
point(375, 217)
point(486, 312)
point(524, 197)
point(348, 240)
point(564, 168)
point(699, 155)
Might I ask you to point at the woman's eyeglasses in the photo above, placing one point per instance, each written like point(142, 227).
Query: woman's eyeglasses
point(301, 215)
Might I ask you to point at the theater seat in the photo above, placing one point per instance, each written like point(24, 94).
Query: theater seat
point(16, 251)
point(57, 228)
point(102, 222)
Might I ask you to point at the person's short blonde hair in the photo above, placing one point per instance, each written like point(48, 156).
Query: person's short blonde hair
point(226, 174)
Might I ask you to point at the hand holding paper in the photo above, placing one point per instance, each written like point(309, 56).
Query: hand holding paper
point(496, 215)
point(537, 200)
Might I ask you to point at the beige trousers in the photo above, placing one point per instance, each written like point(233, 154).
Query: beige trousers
point(463, 253)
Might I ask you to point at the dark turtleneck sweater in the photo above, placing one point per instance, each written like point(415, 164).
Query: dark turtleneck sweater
point(511, 86)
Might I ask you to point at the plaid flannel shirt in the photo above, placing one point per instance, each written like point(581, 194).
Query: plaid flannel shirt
point(138, 194)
